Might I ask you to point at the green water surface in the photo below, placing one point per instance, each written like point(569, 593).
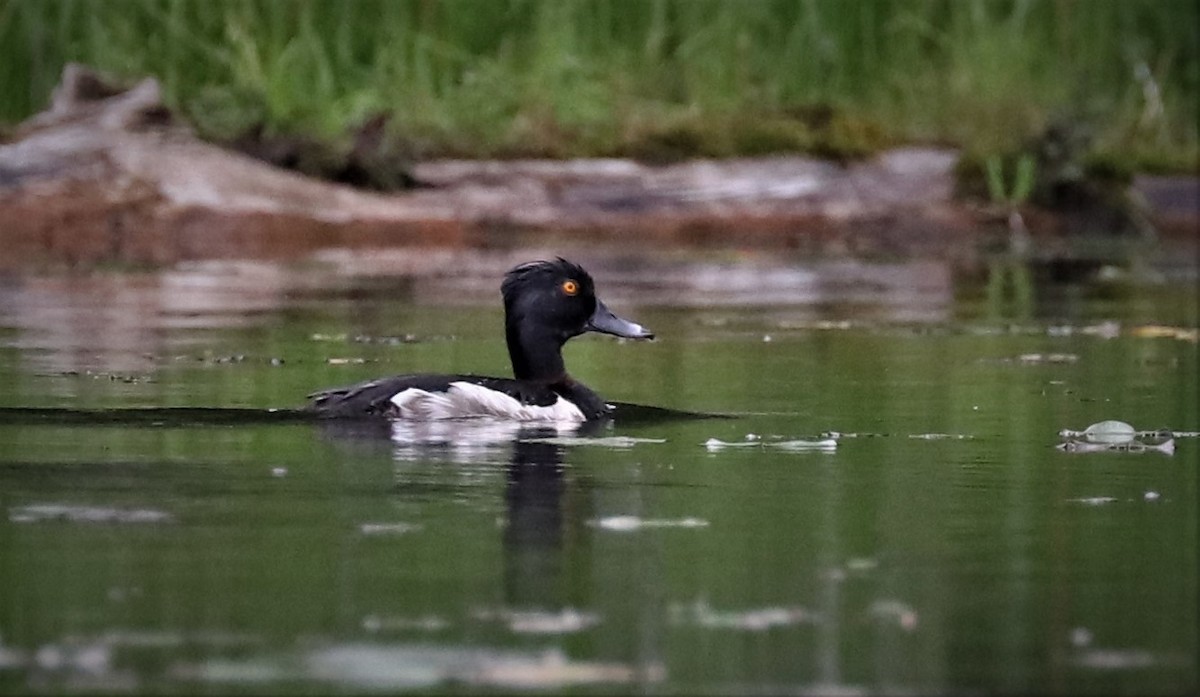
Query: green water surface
point(938, 542)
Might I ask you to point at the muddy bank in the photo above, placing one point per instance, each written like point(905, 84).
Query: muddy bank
point(111, 177)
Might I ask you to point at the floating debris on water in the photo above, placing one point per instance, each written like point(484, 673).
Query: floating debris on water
point(392, 667)
point(429, 623)
point(86, 514)
point(714, 444)
point(1048, 358)
point(1167, 448)
point(1080, 636)
point(1116, 436)
point(1094, 500)
point(345, 361)
point(11, 658)
point(235, 358)
point(567, 621)
point(386, 340)
point(368, 339)
point(388, 528)
point(1104, 330)
point(128, 378)
point(838, 435)
point(1116, 659)
point(824, 324)
point(825, 444)
point(1104, 432)
point(700, 613)
point(1151, 496)
point(607, 442)
point(896, 611)
point(1155, 331)
point(939, 436)
point(279, 471)
point(861, 564)
point(629, 523)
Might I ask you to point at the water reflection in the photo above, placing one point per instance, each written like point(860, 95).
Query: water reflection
point(118, 322)
point(533, 491)
point(948, 548)
point(534, 525)
point(124, 321)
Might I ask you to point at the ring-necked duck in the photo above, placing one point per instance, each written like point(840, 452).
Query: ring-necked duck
point(545, 304)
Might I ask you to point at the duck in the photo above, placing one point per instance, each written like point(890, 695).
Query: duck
point(546, 303)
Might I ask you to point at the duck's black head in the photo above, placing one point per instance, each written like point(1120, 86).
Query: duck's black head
point(545, 304)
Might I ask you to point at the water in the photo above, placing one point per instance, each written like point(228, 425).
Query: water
point(887, 511)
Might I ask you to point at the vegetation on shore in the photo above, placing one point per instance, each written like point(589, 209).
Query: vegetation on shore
point(653, 79)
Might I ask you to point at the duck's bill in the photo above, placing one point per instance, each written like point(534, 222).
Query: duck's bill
point(605, 322)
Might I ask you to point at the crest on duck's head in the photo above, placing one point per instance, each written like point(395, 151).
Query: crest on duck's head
point(545, 274)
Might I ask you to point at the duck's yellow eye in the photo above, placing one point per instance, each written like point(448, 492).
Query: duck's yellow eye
point(570, 287)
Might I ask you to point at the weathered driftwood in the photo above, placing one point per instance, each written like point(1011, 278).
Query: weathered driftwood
point(106, 175)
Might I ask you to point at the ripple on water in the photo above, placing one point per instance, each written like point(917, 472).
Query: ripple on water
point(71, 513)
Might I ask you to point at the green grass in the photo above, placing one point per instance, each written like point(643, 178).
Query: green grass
point(649, 78)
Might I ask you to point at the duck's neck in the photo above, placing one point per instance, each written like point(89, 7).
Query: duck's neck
point(536, 354)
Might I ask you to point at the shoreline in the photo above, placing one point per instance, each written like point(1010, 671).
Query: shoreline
point(113, 179)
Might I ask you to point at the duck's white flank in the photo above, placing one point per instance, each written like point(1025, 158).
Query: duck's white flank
point(466, 399)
